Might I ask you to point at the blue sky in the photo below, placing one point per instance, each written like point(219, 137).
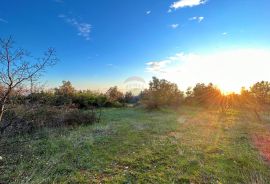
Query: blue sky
point(101, 43)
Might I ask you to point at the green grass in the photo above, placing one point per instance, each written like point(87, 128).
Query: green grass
point(131, 145)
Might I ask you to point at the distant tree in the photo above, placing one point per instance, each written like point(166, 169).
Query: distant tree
point(64, 94)
point(128, 97)
point(89, 99)
point(41, 97)
point(114, 95)
point(261, 91)
point(246, 97)
point(161, 93)
point(257, 99)
point(203, 94)
point(18, 68)
point(66, 89)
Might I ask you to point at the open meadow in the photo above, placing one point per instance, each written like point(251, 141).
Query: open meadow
point(131, 145)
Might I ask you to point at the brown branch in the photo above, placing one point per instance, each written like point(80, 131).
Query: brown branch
point(15, 71)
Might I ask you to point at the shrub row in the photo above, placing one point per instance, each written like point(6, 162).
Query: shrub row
point(25, 120)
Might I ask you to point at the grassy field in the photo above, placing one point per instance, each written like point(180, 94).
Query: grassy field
point(131, 145)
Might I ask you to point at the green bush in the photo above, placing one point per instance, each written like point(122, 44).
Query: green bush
point(45, 98)
point(78, 117)
point(26, 119)
point(87, 100)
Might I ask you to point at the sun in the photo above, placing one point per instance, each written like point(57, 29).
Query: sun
point(228, 88)
point(230, 70)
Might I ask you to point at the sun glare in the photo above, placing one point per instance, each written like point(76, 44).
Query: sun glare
point(229, 70)
point(227, 89)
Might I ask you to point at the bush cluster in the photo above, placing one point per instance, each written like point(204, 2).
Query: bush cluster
point(66, 95)
point(161, 93)
point(63, 106)
point(26, 119)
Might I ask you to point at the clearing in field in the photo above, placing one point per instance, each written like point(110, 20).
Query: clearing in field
point(131, 145)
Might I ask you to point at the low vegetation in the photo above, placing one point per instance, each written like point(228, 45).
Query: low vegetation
point(129, 145)
point(24, 119)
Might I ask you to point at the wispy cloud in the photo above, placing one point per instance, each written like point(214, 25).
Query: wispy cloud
point(199, 19)
point(157, 66)
point(186, 3)
point(84, 29)
point(148, 12)
point(174, 26)
point(3, 20)
point(167, 65)
point(224, 33)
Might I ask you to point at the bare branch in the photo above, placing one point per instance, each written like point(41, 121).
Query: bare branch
point(17, 68)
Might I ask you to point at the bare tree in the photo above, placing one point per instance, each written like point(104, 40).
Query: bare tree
point(17, 68)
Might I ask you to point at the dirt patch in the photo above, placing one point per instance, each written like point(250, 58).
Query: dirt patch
point(262, 142)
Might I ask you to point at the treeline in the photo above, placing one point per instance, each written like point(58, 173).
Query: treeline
point(164, 93)
point(160, 93)
point(63, 105)
point(255, 100)
point(27, 110)
point(67, 95)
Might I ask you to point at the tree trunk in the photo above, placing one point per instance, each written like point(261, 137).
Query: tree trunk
point(2, 110)
point(2, 106)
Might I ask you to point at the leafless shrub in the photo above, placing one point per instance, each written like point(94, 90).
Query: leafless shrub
point(17, 68)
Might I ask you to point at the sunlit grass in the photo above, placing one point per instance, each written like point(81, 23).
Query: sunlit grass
point(191, 145)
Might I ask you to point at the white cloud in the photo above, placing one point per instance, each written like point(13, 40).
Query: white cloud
point(157, 66)
point(186, 3)
point(3, 20)
point(230, 70)
point(84, 29)
point(224, 33)
point(174, 26)
point(148, 12)
point(199, 19)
